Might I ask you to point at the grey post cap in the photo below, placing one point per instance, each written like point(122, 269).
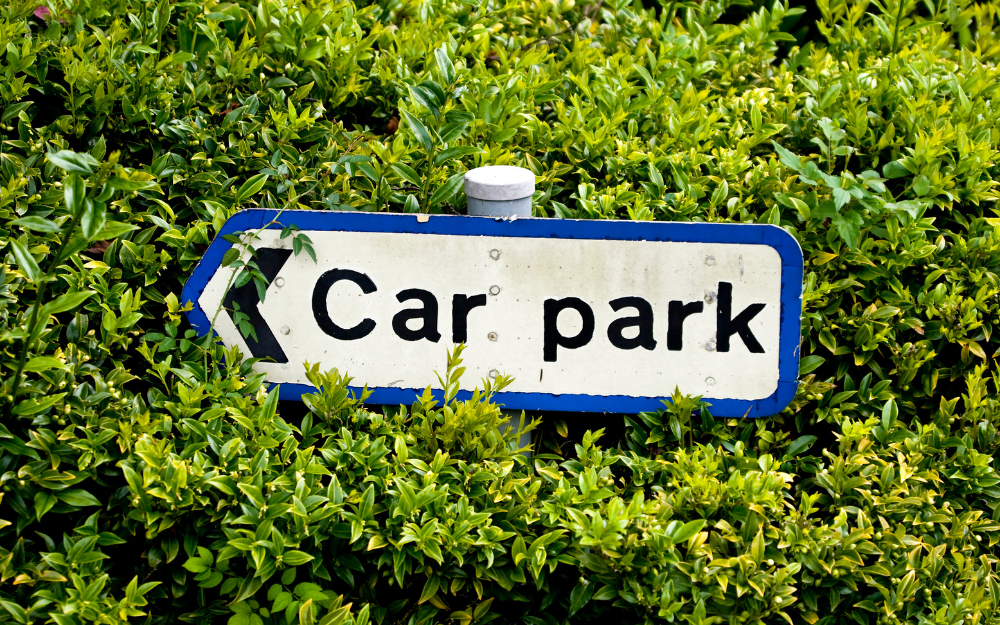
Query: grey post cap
point(499, 183)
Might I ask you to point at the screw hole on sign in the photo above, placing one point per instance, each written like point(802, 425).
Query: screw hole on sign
point(710, 380)
point(279, 282)
point(492, 336)
point(493, 373)
point(710, 346)
point(495, 254)
point(494, 290)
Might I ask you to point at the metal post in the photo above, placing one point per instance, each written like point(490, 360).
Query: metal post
point(499, 191)
point(504, 192)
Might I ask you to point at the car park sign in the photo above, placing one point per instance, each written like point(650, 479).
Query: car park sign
point(591, 316)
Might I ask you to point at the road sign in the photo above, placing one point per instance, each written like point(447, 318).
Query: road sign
point(591, 316)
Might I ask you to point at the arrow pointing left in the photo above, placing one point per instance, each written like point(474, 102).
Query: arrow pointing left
point(270, 262)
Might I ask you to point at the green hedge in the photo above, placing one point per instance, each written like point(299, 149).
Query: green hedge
point(148, 476)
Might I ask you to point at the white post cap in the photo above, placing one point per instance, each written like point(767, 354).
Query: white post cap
point(499, 183)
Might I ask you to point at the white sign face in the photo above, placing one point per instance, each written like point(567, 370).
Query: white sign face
point(580, 323)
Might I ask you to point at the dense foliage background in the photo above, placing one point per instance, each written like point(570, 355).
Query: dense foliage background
point(147, 476)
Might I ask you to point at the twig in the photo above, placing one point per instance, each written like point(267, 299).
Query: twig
point(899, 18)
point(895, 39)
point(670, 11)
point(39, 296)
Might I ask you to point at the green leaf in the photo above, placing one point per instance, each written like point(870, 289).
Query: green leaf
point(231, 256)
point(77, 497)
point(606, 593)
point(36, 404)
point(841, 197)
point(296, 558)
point(248, 586)
point(647, 79)
point(122, 184)
point(280, 82)
point(889, 414)
point(849, 227)
point(452, 131)
point(37, 224)
point(407, 173)
point(67, 301)
point(268, 409)
point(13, 110)
point(44, 363)
point(430, 589)
point(15, 610)
point(482, 609)
point(580, 596)
point(94, 215)
point(444, 64)
point(657, 178)
point(894, 169)
point(456, 152)
point(830, 96)
point(447, 190)
point(790, 160)
point(251, 187)
point(26, 262)
point(73, 162)
point(239, 619)
point(281, 601)
point(99, 149)
point(253, 493)
point(113, 230)
point(757, 547)
point(800, 445)
point(686, 531)
point(419, 130)
point(44, 500)
point(74, 193)
point(810, 364)
point(503, 135)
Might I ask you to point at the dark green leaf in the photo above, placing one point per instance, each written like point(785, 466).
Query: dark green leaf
point(800, 445)
point(77, 497)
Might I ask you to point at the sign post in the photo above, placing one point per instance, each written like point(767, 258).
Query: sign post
point(505, 192)
point(593, 316)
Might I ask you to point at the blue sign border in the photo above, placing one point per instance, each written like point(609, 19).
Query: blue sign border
point(771, 236)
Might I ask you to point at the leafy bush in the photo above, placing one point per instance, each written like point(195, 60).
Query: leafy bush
point(148, 475)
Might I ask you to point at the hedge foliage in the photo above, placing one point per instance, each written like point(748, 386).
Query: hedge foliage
point(149, 476)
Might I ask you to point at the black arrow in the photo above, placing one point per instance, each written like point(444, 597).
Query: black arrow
point(270, 261)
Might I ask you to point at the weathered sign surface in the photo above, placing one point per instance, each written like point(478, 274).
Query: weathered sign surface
point(595, 316)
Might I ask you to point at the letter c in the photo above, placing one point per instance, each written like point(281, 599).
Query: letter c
point(322, 313)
